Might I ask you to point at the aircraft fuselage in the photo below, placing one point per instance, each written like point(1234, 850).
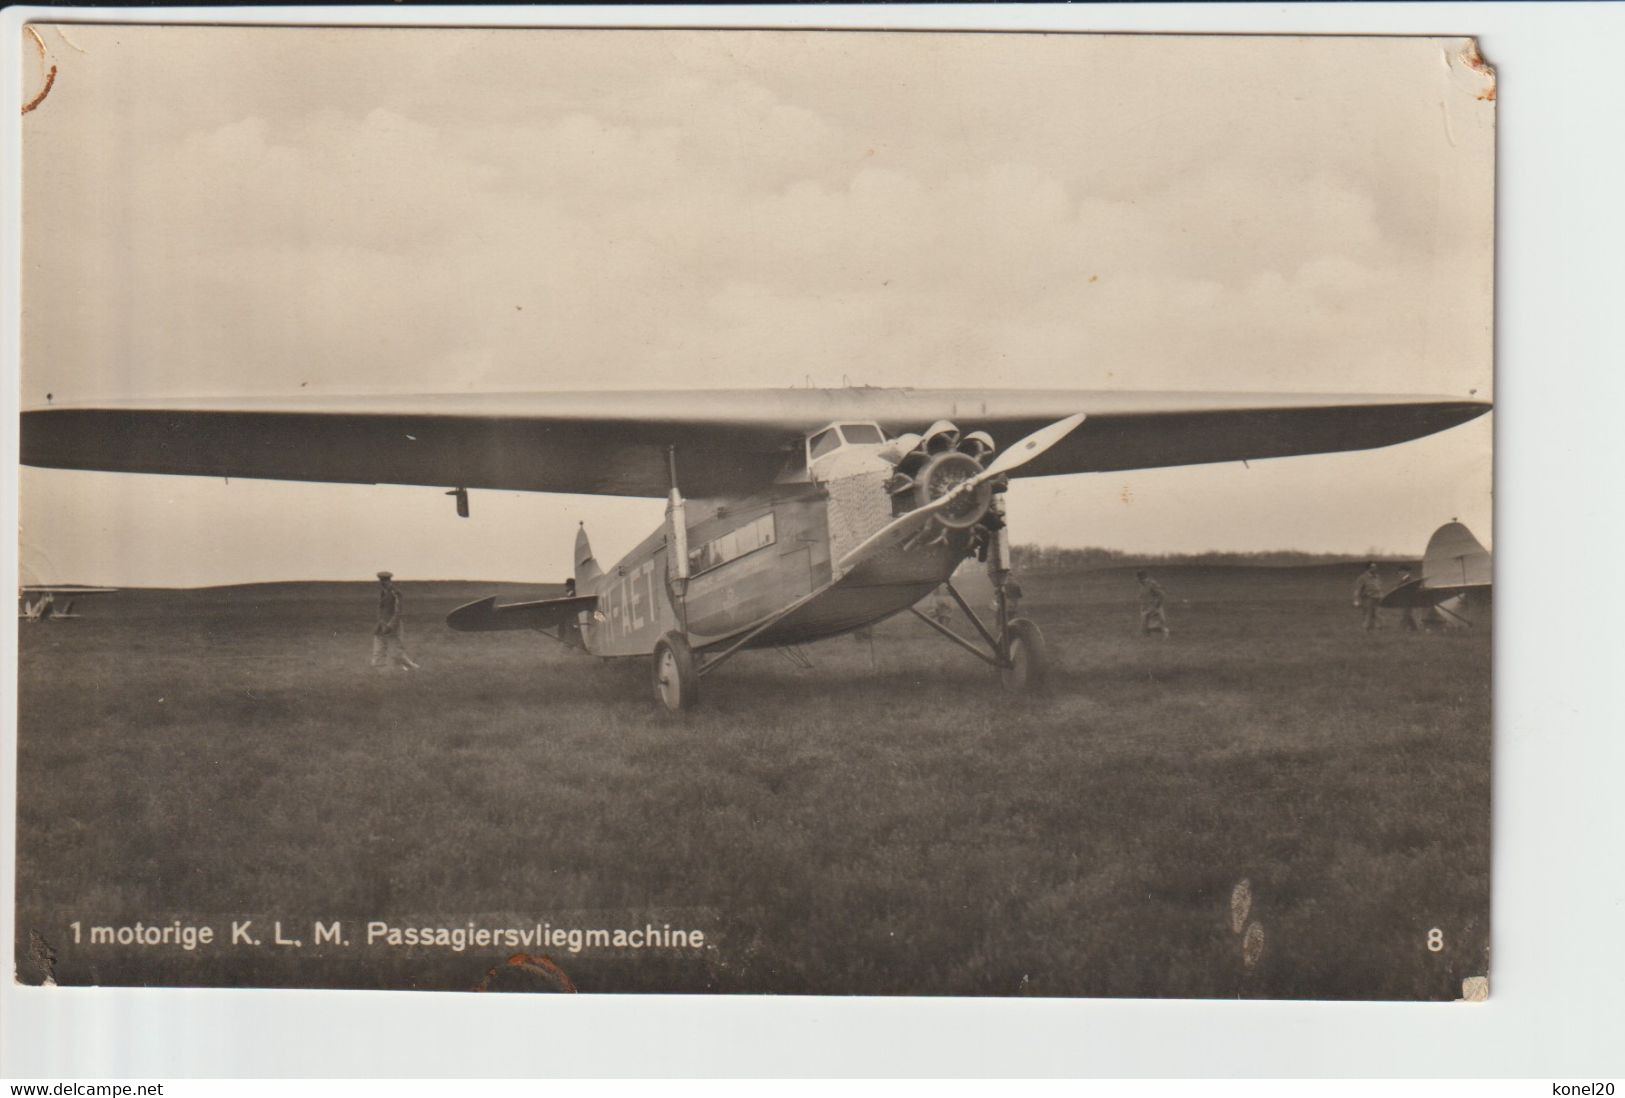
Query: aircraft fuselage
point(751, 557)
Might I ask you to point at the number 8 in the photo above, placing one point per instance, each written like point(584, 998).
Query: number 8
point(1435, 940)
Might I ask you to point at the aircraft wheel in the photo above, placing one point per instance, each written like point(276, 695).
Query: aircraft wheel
point(676, 679)
point(1029, 662)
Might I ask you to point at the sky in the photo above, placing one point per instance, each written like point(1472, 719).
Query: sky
point(268, 211)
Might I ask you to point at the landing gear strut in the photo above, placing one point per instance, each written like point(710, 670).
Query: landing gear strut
point(675, 674)
point(1017, 651)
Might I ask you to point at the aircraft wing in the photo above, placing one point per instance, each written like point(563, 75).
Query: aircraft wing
point(727, 441)
point(64, 589)
point(485, 616)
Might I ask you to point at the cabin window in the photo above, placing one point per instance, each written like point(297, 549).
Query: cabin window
point(862, 433)
point(824, 442)
point(754, 535)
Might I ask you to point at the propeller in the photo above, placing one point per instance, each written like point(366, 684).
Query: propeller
point(1013, 458)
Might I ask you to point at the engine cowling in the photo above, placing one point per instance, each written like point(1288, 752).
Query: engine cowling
point(941, 475)
point(935, 464)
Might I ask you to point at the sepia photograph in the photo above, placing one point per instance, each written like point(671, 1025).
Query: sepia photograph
point(724, 511)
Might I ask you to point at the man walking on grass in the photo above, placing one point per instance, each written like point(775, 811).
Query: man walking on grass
point(388, 639)
point(1368, 594)
point(1152, 617)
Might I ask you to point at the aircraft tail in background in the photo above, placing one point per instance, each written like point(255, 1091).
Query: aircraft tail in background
point(1454, 558)
point(1454, 587)
point(53, 603)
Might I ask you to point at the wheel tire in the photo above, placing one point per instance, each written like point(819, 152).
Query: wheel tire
point(1029, 660)
point(675, 679)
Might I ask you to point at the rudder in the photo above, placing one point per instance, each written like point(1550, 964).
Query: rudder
point(1454, 558)
point(587, 571)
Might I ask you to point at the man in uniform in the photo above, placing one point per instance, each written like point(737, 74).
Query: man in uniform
point(388, 644)
point(1152, 617)
point(1013, 595)
point(1367, 594)
point(1012, 601)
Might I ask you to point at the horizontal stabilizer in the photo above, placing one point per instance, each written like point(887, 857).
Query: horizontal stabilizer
point(1407, 596)
point(1421, 595)
point(486, 616)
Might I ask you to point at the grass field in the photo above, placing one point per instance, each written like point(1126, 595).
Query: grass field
point(895, 827)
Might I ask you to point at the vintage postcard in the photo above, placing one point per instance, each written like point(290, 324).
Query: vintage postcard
point(731, 511)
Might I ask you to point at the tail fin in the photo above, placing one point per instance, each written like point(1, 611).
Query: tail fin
point(1454, 558)
point(587, 570)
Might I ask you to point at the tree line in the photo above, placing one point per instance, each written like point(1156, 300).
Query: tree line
point(1040, 558)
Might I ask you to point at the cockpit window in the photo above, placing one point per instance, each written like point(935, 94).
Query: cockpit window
point(862, 432)
point(823, 442)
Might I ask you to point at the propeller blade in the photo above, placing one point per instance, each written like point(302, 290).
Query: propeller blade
point(1030, 447)
point(1013, 458)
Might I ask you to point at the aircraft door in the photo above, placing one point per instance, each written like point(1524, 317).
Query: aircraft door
point(806, 543)
point(795, 565)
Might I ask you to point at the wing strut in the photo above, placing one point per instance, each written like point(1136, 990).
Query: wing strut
point(677, 571)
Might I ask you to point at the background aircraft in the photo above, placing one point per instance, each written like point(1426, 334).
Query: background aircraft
point(809, 512)
point(38, 603)
point(1455, 580)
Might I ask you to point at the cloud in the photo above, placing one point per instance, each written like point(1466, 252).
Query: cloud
point(348, 211)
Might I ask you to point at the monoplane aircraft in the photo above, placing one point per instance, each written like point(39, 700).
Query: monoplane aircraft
point(1455, 580)
point(791, 514)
